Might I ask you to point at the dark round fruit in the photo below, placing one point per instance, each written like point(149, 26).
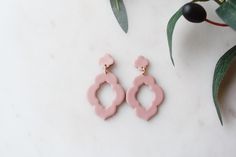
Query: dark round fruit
point(194, 12)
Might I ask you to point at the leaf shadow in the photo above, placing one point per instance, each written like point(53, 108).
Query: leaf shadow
point(200, 40)
point(197, 40)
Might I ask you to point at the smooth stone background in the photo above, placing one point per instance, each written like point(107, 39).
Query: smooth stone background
point(49, 52)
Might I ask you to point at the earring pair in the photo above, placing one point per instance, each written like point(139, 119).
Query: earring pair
point(141, 63)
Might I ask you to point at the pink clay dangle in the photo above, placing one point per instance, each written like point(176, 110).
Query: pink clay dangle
point(131, 96)
point(106, 77)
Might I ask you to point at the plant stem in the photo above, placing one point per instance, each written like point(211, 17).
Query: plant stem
point(216, 23)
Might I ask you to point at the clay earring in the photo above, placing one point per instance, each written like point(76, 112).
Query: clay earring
point(106, 77)
point(142, 63)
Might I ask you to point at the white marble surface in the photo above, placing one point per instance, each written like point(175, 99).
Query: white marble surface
point(49, 50)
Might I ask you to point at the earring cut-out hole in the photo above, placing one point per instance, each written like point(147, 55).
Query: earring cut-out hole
point(106, 95)
point(145, 96)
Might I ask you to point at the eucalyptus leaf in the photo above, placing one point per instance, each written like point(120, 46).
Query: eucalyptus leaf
point(170, 29)
point(227, 12)
point(220, 70)
point(120, 13)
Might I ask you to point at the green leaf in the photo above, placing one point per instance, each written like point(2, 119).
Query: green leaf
point(220, 70)
point(227, 12)
point(170, 29)
point(119, 11)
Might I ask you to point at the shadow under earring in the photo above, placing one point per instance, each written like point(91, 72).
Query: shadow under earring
point(131, 96)
point(106, 77)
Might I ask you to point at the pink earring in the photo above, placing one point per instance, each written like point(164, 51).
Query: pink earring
point(106, 77)
point(142, 63)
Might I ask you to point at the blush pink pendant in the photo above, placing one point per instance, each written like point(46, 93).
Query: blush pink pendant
point(106, 77)
point(142, 63)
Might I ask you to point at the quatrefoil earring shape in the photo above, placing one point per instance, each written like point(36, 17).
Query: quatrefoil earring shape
point(106, 77)
point(131, 96)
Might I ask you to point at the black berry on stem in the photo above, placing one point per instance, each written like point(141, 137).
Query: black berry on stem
point(194, 12)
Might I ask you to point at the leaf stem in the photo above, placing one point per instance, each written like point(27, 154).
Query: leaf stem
point(216, 23)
